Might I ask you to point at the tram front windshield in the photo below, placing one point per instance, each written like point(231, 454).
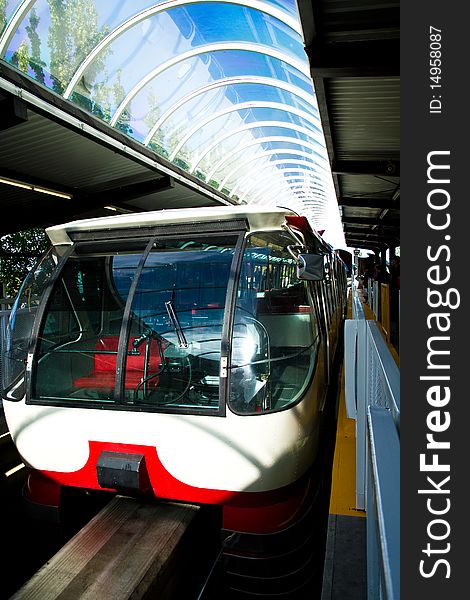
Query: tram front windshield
point(163, 308)
point(141, 324)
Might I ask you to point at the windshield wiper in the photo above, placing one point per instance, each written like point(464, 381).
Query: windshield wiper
point(182, 342)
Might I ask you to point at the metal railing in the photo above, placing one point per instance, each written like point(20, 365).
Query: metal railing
point(6, 303)
point(372, 390)
point(357, 310)
point(373, 297)
point(4, 316)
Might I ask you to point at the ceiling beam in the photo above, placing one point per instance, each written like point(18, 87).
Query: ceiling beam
point(64, 208)
point(373, 239)
point(367, 231)
point(80, 200)
point(358, 243)
point(23, 178)
point(136, 190)
point(360, 58)
point(390, 242)
point(354, 231)
point(391, 168)
point(322, 102)
point(309, 17)
point(360, 240)
point(370, 221)
point(13, 111)
point(363, 202)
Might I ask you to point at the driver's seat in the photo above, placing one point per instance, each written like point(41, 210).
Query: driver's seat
point(104, 365)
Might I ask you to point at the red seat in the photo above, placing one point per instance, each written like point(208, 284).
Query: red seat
point(104, 365)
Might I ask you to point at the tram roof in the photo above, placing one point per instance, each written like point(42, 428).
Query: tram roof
point(257, 218)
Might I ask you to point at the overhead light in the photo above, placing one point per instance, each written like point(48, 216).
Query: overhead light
point(16, 183)
point(51, 192)
point(14, 470)
point(117, 209)
point(34, 188)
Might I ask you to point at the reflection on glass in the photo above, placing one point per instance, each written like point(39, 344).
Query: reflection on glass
point(176, 324)
point(78, 341)
point(173, 331)
point(20, 326)
point(275, 331)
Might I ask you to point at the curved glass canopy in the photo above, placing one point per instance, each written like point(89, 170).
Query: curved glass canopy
point(221, 89)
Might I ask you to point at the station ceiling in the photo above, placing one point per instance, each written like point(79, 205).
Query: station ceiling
point(104, 150)
point(58, 163)
point(354, 53)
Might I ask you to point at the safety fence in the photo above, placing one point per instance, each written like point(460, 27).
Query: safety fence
point(379, 298)
point(372, 390)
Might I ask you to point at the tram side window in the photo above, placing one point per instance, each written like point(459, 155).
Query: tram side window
point(275, 332)
point(20, 326)
point(328, 295)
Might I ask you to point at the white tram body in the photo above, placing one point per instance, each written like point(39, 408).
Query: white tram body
point(183, 354)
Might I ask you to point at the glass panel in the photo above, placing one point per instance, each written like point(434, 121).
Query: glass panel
point(131, 62)
point(290, 5)
point(232, 121)
point(7, 8)
point(228, 142)
point(126, 64)
point(176, 321)
point(53, 38)
point(20, 326)
point(270, 158)
point(275, 330)
point(78, 341)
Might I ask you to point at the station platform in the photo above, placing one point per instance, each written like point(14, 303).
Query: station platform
point(345, 565)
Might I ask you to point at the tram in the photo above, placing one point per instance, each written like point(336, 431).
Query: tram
point(180, 354)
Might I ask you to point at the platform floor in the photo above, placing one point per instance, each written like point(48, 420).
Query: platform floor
point(345, 568)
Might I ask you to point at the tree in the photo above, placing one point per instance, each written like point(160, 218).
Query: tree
point(19, 253)
point(3, 14)
point(126, 115)
point(35, 62)
point(73, 34)
point(20, 58)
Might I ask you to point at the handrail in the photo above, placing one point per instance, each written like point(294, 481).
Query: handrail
point(383, 504)
point(357, 310)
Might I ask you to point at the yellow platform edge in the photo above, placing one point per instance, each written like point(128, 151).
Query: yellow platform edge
point(343, 479)
point(343, 482)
